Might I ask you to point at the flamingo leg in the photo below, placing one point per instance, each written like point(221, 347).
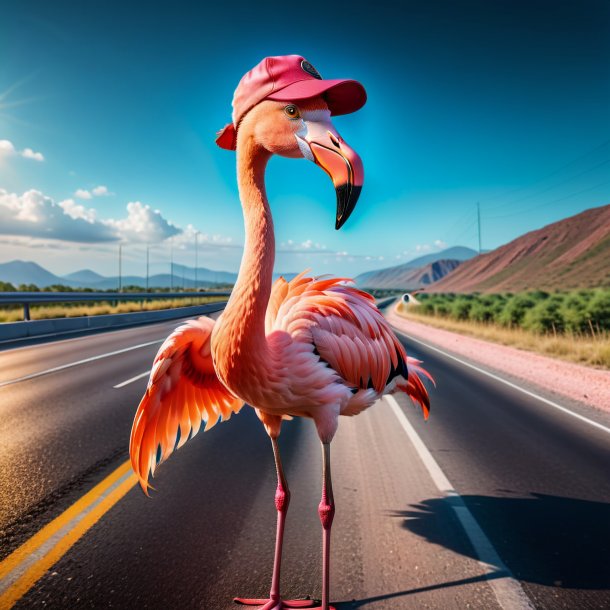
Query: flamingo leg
point(326, 510)
point(282, 500)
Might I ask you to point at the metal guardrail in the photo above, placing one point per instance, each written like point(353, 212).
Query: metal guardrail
point(36, 298)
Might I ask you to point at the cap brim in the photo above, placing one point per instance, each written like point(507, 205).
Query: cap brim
point(342, 96)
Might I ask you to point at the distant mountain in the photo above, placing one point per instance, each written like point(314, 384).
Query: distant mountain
point(84, 275)
point(403, 277)
point(571, 253)
point(456, 253)
point(26, 272)
point(402, 274)
point(204, 275)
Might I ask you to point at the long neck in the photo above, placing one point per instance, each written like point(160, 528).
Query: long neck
point(242, 326)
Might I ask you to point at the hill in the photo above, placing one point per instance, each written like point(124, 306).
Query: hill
point(373, 279)
point(571, 253)
point(85, 276)
point(457, 253)
point(26, 272)
point(404, 278)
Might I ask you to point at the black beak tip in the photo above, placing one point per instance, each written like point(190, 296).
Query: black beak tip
point(347, 197)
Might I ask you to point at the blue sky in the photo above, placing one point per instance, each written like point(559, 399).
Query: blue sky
point(108, 113)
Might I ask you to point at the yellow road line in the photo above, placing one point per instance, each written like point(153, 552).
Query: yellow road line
point(27, 564)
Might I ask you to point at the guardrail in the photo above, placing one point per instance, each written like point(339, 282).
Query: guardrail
point(36, 298)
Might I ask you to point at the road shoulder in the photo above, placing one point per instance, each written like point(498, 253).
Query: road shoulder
point(584, 387)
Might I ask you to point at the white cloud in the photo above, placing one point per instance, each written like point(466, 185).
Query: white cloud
point(308, 246)
point(7, 149)
point(440, 244)
point(33, 214)
point(28, 153)
point(75, 210)
point(205, 241)
point(98, 191)
point(423, 248)
point(36, 215)
point(83, 194)
point(143, 224)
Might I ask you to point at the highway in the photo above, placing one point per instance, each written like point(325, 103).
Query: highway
point(494, 473)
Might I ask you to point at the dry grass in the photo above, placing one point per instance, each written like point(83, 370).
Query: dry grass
point(66, 310)
point(583, 349)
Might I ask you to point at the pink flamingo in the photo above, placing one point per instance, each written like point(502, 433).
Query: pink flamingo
point(314, 348)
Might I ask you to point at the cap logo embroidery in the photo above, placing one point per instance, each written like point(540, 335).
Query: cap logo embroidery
point(307, 67)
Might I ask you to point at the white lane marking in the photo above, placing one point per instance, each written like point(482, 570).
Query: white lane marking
point(591, 422)
point(506, 588)
point(128, 381)
point(71, 364)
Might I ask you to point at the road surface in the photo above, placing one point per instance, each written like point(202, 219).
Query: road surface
point(531, 493)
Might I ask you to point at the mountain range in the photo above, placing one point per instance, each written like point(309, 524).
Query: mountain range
point(571, 253)
point(418, 272)
point(27, 272)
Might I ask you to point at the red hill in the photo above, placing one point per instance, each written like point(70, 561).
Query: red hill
point(571, 253)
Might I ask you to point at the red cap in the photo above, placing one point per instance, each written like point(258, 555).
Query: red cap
point(288, 78)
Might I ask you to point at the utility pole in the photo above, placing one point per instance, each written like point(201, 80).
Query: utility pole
point(479, 224)
point(196, 240)
point(171, 263)
point(147, 265)
point(120, 267)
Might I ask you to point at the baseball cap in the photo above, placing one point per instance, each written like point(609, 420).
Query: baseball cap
point(288, 78)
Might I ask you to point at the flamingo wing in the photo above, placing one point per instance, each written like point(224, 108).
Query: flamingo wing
point(349, 333)
point(183, 390)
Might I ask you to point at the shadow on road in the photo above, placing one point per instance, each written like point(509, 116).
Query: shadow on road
point(361, 603)
point(543, 539)
point(547, 540)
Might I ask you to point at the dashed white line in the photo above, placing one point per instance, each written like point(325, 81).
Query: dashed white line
point(565, 410)
point(506, 588)
point(128, 381)
point(78, 362)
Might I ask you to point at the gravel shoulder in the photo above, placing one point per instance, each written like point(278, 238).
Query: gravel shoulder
point(574, 382)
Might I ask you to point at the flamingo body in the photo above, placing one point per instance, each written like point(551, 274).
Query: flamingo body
point(312, 347)
point(332, 353)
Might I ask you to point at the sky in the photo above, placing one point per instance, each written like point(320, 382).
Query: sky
point(108, 114)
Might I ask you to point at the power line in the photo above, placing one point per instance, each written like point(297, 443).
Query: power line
point(550, 188)
point(547, 203)
point(553, 173)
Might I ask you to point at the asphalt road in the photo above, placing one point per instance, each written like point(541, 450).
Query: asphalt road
point(535, 480)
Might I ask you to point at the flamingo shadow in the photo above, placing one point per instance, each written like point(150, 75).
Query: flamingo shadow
point(543, 539)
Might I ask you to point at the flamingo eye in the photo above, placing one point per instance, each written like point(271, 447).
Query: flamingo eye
point(292, 111)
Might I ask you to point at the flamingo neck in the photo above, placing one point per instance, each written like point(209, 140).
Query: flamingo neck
point(241, 329)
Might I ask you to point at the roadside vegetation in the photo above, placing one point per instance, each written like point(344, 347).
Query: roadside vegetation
point(14, 313)
point(573, 325)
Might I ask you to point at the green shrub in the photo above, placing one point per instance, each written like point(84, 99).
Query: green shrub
point(515, 309)
point(544, 317)
point(598, 310)
point(460, 309)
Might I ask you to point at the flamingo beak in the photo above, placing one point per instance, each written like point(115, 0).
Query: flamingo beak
point(320, 143)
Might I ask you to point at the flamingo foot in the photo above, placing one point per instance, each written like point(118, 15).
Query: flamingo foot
point(277, 604)
point(281, 604)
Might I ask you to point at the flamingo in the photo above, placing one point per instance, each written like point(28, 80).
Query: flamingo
point(313, 347)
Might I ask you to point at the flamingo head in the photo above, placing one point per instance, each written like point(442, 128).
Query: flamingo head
point(303, 128)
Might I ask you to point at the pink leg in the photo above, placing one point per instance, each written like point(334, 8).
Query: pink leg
point(282, 500)
point(326, 510)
